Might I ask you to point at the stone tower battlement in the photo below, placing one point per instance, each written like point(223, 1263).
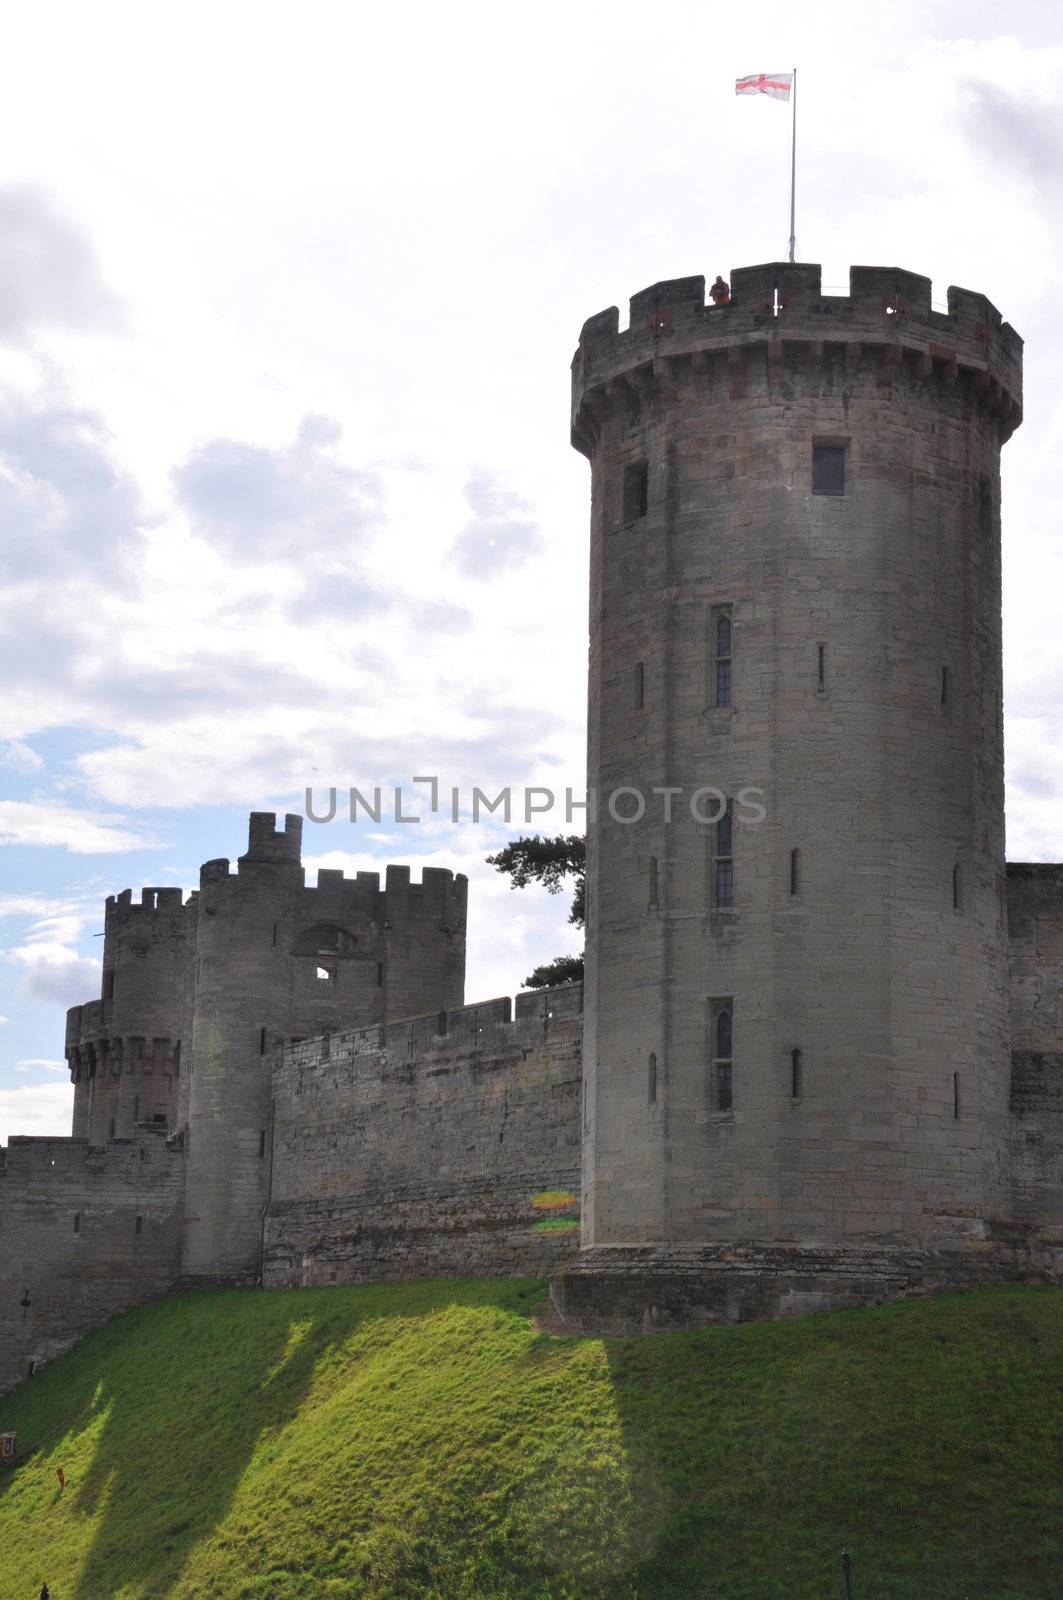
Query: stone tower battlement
point(196, 994)
point(779, 315)
point(796, 1028)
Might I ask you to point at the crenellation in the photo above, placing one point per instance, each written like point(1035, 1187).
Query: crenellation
point(820, 1066)
point(776, 308)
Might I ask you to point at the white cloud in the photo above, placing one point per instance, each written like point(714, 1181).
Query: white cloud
point(49, 823)
point(39, 1109)
point(19, 757)
point(35, 1064)
point(56, 973)
point(48, 272)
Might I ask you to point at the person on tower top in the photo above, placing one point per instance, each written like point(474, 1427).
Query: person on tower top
point(720, 292)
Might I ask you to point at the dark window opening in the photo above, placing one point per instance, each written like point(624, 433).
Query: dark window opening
point(653, 1078)
point(821, 667)
point(108, 986)
point(723, 660)
point(636, 491)
point(640, 687)
point(262, 1144)
point(956, 1095)
point(113, 1127)
point(380, 974)
point(723, 861)
point(795, 871)
point(957, 887)
point(653, 881)
point(442, 1025)
point(261, 1041)
point(139, 1226)
point(946, 687)
point(985, 506)
point(77, 1221)
point(722, 1055)
point(828, 469)
point(274, 933)
point(795, 1074)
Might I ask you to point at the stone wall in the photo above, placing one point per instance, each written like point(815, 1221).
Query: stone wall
point(420, 1148)
point(1035, 920)
point(85, 1231)
point(852, 939)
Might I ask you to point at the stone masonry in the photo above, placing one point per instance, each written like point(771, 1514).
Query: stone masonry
point(820, 1060)
point(797, 1019)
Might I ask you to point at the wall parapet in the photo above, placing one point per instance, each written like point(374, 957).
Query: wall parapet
point(489, 1022)
point(780, 306)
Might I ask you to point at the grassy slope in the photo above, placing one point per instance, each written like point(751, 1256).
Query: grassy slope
point(424, 1440)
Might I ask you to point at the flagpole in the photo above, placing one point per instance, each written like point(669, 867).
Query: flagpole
point(793, 172)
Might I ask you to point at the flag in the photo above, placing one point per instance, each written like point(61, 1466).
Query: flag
point(776, 85)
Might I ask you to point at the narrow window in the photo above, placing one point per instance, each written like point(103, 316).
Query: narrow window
point(985, 506)
point(795, 1074)
point(652, 1078)
point(640, 687)
point(113, 1126)
point(441, 1024)
point(262, 1143)
point(77, 1221)
point(139, 1226)
point(957, 887)
point(795, 872)
point(956, 1095)
point(653, 881)
point(828, 469)
point(821, 667)
point(262, 1041)
point(636, 491)
point(326, 974)
point(380, 974)
point(723, 864)
point(723, 659)
point(723, 1057)
point(274, 933)
point(946, 687)
point(136, 1107)
point(108, 986)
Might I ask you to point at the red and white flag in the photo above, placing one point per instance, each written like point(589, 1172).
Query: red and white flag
point(776, 85)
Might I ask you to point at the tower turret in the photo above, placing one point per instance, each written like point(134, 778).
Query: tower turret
point(275, 961)
point(796, 1020)
point(124, 1050)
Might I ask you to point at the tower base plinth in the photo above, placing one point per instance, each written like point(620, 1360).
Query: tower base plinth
point(625, 1290)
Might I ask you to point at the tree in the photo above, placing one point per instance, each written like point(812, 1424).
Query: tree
point(534, 859)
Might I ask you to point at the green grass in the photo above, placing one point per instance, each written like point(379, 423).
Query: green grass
point(424, 1440)
point(556, 1225)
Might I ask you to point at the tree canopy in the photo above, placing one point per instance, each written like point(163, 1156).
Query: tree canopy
point(552, 863)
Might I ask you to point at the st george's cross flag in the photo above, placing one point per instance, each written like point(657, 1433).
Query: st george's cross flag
point(774, 84)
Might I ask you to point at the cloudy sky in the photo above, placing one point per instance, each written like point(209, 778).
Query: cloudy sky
point(288, 296)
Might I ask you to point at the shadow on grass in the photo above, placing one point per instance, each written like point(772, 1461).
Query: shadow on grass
point(180, 1398)
point(915, 1435)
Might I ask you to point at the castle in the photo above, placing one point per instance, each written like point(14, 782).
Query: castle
point(821, 1060)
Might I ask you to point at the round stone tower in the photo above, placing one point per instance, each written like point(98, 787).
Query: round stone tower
point(124, 1049)
point(797, 1049)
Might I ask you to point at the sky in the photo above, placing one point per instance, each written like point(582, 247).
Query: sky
point(288, 296)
